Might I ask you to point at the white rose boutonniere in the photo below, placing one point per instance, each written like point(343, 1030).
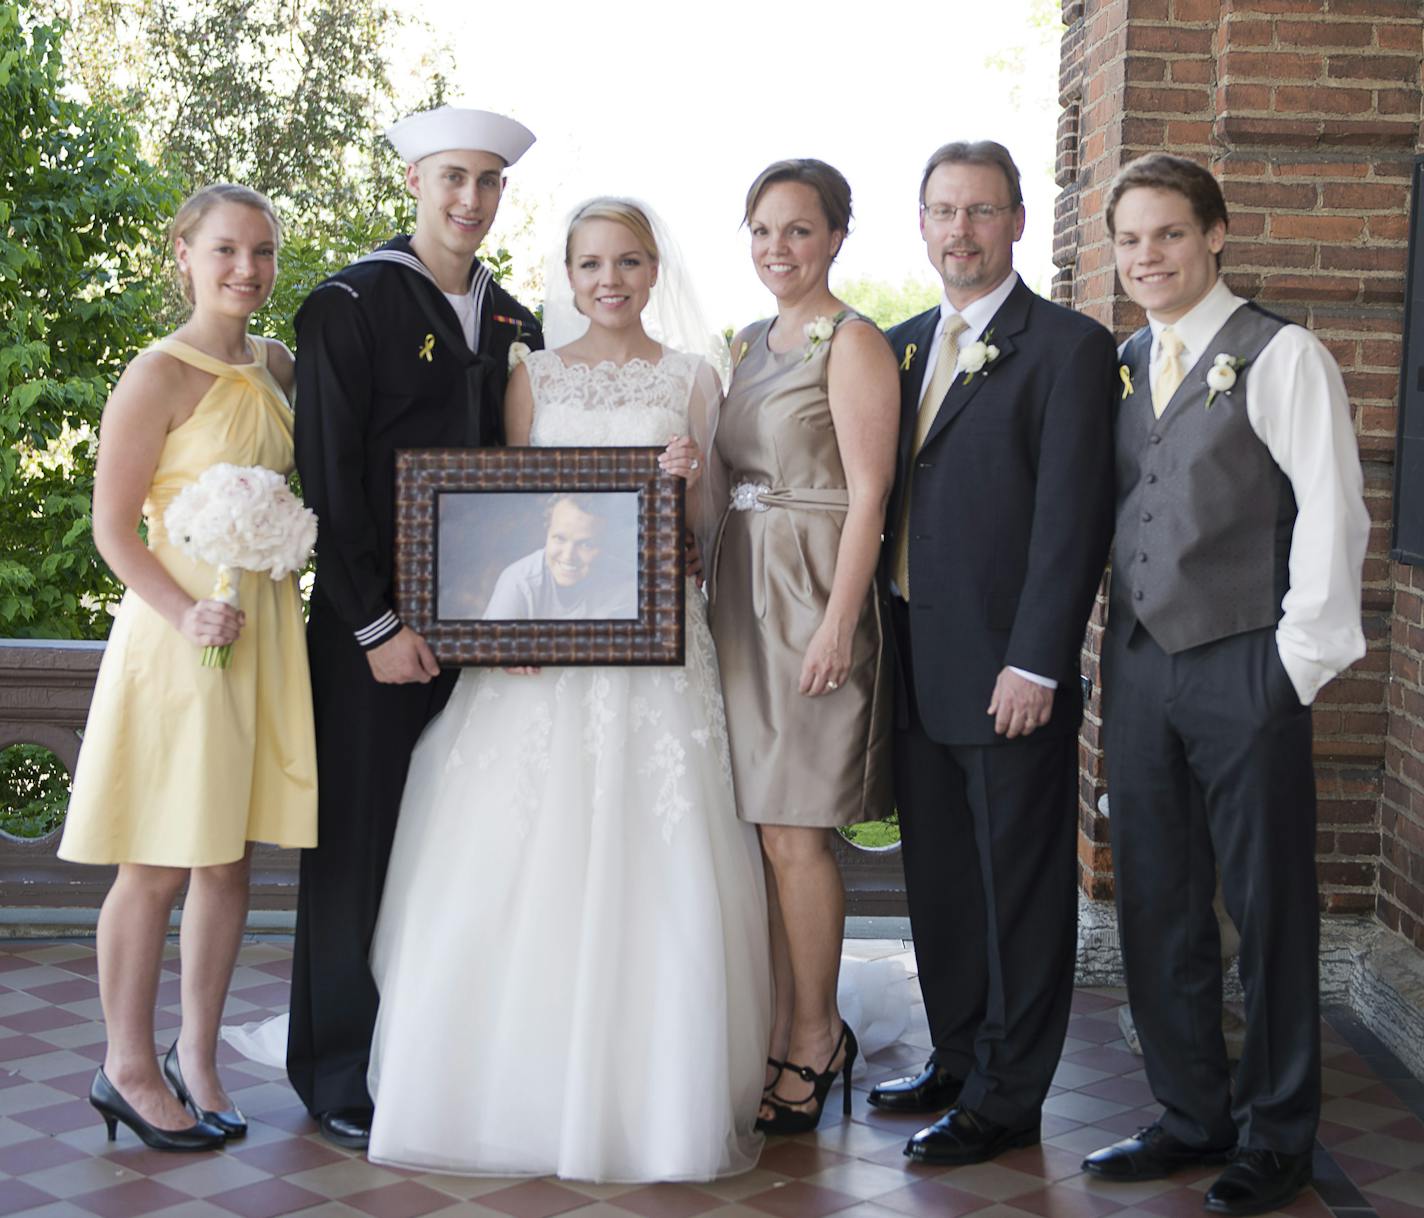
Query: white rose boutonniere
point(1221, 376)
point(818, 331)
point(518, 353)
point(976, 357)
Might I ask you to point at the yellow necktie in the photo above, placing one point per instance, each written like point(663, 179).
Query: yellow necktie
point(941, 379)
point(1170, 372)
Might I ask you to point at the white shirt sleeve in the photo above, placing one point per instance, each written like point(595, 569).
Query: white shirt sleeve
point(1297, 404)
point(1046, 682)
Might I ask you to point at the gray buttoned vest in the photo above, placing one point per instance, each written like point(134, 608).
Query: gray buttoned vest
point(1204, 513)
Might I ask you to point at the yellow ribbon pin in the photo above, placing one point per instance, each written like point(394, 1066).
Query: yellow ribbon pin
point(425, 351)
point(910, 350)
point(741, 355)
point(1127, 389)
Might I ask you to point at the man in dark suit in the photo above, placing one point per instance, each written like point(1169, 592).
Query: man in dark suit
point(406, 348)
point(998, 531)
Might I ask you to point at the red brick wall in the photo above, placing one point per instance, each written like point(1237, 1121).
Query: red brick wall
point(1309, 113)
point(1400, 899)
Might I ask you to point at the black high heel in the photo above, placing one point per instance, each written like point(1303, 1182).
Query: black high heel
point(114, 1108)
point(776, 1064)
point(789, 1120)
point(229, 1120)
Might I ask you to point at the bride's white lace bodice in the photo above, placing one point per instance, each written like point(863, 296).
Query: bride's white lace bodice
point(600, 405)
point(624, 711)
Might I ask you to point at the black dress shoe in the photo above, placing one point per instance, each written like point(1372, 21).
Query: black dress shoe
point(931, 1090)
point(965, 1136)
point(1257, 1181)
point(229, 1120)
point(348, 1127)
point(1150, 1154)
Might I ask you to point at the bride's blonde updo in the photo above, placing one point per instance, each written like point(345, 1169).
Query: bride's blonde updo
point(620, 211)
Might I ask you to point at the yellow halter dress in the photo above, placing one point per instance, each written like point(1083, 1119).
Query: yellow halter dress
point(181, 765)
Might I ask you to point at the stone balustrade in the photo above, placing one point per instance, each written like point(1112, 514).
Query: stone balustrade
point(45, 687)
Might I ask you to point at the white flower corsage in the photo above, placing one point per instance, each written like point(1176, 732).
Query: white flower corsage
point(1221, 376)
point(978, 356)
point(518, 353)
point(818, 331)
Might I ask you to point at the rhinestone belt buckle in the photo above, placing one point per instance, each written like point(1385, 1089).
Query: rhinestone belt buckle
point(746, 497)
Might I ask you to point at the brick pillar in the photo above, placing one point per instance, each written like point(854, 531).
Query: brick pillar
point(1308, 111)
point(1399, 903)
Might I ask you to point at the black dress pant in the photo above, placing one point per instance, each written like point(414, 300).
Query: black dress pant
point(1209, 769)
point(989, 836)
point(365, 733)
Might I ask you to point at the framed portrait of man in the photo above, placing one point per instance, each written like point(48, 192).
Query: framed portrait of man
point(514, 556)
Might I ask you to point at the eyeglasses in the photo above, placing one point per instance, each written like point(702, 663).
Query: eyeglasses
point(978, 213)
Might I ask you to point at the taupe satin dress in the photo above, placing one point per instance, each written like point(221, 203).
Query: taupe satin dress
point(796, 760)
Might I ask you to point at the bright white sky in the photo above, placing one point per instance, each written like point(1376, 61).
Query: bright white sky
point(683, 104)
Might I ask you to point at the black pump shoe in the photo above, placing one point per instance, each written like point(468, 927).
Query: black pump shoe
point(788, 1120)
point(229, 1120)
point(114, 1108)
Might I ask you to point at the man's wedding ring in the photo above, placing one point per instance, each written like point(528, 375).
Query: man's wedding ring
point(832, 685)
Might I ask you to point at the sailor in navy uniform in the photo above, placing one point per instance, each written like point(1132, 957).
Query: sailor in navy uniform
point(408, 347)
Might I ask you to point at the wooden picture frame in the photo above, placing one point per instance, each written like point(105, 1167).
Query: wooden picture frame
point(462, 512)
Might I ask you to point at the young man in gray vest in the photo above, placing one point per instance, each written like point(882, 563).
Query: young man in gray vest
point(1235, 596)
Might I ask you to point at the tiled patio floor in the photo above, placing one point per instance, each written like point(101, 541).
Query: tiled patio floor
point(54, 1159)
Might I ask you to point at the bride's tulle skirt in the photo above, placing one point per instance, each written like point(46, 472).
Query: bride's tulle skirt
point(572, 947)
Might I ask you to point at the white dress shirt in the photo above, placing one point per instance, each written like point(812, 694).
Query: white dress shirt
point(977, 315)
point(1297, 405)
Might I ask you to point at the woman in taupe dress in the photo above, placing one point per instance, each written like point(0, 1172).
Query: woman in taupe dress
point(807, 438)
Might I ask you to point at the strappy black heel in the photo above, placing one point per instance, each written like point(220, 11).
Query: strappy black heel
point(776, 1064)
point(114, 1108)
point(789, 1120)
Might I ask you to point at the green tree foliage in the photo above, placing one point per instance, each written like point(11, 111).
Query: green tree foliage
point(80, 210)
point(34, 791)
point(874, 834)
point(887, 303)
point(288, 96)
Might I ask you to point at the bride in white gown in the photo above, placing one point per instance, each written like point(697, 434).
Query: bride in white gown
point(571, 952)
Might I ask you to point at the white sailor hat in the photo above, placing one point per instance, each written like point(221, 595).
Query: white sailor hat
point(447, 127)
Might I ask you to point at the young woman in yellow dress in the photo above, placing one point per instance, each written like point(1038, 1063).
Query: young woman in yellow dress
point(184, 766)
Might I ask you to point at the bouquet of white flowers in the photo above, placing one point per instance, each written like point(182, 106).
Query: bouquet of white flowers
point(240, 516)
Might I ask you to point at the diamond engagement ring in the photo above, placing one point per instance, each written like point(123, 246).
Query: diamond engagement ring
point(694, 463)
point(832, 685)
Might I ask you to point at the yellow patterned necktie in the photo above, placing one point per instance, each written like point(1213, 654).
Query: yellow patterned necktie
point(1170, 372)
point(946, 365)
